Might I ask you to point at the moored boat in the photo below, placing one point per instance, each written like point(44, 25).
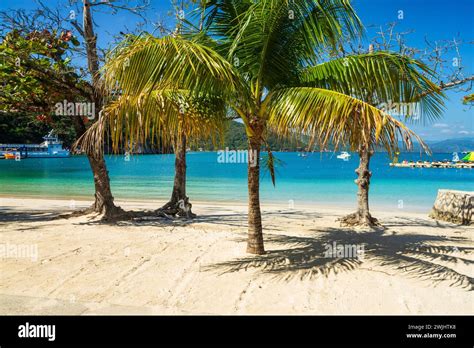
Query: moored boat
point(344, 155)
point(51, 147)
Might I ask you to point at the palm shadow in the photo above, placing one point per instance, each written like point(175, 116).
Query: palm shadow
point(10, 215)
point(420, 256)
point(138, 218)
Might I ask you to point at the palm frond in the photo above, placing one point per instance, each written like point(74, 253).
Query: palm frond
point(146, 63)
point(333, 117)
point(269, 40)
point(381, 78)
point(157, 117)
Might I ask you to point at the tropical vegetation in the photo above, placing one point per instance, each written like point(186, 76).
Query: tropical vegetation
point(267, 61)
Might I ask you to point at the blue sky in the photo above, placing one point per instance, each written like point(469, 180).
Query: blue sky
point(435, 20)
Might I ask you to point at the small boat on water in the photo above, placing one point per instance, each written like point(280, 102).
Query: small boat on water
point(51, 147)
point(344, 155)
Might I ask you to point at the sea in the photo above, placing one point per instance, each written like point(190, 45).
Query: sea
point(319, 179)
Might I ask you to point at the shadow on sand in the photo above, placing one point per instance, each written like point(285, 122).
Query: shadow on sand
point(150, 218)
point(426, 257)
point(10, 215)
point(415, 255)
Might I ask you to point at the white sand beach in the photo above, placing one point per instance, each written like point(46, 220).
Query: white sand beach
point(79, 266)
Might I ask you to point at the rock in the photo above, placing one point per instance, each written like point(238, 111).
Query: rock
point(454, 206)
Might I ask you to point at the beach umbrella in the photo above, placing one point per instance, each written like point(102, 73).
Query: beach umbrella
point(469, 157)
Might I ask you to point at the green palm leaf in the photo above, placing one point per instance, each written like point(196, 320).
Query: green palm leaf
point(333, 117)
point(380, 78)
point(145, 63)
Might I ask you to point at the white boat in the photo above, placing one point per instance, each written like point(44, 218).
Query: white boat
point(51, 147)
point(344, 155)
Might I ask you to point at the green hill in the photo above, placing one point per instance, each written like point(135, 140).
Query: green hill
point(236, 139)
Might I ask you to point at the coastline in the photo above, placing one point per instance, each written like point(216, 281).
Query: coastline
point(200, 267)
point(344, 207)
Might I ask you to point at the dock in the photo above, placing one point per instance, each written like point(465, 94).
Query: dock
point(456, 165)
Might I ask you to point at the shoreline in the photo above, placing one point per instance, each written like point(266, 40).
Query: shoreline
point(305, 205)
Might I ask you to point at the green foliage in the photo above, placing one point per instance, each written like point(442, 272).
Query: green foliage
point(34, 71)
point(35, 74)
point(27, 129)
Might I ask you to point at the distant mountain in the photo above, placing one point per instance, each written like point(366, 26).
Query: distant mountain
point(235, 138)
point(453, 145)
point(446, 146)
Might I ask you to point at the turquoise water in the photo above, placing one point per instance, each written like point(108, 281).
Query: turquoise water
point(320, 179)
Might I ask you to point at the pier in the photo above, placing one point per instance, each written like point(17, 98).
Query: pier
point(425, 164)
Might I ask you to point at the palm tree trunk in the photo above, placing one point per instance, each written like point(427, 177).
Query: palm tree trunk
point(179, 203)
point(255, 233)
point(104, 201)
point(363, 183)
point(362, 216)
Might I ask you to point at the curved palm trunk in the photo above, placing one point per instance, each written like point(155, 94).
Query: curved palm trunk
point(179, 203)
point(255, 233)
point(362, 216)
point(104, 201)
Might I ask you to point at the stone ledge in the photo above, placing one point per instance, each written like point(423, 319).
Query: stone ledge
point(454, 206)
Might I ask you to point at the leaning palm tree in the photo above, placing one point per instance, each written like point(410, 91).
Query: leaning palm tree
point(379, 79)
point(182, 99)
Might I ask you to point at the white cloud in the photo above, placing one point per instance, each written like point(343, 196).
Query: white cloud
point(446, 131)
point(463, 132)
point(440, 125)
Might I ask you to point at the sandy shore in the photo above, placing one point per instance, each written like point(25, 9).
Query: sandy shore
point(80, 266)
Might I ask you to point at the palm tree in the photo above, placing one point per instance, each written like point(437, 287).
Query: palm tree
point(379, 79)
point(182, 117)
point(276, 46)
point(183, 98)
point(269, 42)
point(179, 202)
